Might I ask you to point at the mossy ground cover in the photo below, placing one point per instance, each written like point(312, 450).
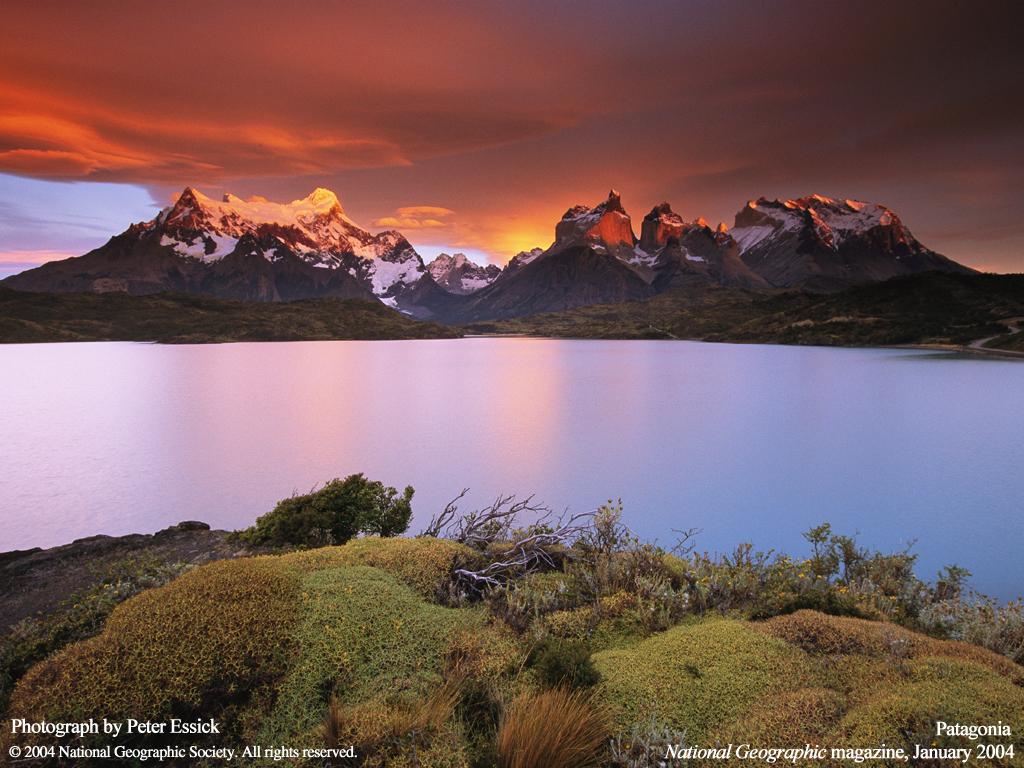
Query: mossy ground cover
point(809, 678)
point(423, 563)
point(697, 677)
point(285, 648)
point(264, 644)
point(362, 631)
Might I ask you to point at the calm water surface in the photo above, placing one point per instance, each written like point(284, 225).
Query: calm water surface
point(745, 442)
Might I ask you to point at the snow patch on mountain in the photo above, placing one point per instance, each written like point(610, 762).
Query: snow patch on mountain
point(403, 268)
point(832, 221)
point(461, 275)
point(315, 229)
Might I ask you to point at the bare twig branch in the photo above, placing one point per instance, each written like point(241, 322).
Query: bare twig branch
point(443, 519)
point(684, 545)
point(530, 549)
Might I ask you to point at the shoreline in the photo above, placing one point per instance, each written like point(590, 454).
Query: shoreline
point(39, 580)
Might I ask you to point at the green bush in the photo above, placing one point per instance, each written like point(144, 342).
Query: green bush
point(334, 514)
point(565, 663)
point(820, 678)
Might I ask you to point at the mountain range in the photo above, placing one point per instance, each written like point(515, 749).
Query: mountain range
point(259, 250)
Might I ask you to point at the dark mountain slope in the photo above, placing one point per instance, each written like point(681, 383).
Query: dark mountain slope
point(573, 277)
point(929, 308)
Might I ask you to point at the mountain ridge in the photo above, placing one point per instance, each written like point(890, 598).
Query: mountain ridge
point(259, 250)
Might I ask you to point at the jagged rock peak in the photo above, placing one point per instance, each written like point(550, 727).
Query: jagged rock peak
point(461, 275)
point(521, 259)
point(663, 210)
point(606, 224)
point(660, 226)
point(614, 201)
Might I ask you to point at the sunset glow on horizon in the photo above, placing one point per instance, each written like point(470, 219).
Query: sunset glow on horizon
point(473, 127)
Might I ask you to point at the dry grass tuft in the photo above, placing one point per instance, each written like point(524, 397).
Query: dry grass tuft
point(382, 731)
point(554, 729)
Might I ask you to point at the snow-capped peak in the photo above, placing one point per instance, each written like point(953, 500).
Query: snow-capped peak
point(832, 221)
point(313, 229)
point(315, 226)
point(459, 274)
point(232, 210)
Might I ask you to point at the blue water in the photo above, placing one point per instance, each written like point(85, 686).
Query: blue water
point(744, 442)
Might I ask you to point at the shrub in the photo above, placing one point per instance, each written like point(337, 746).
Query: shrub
point(937, 689)
point(790, 718)
point(576, 624)
point(519, 603)
point(840, 578)
point(981, 621)
point(487, 660)
point(613, 568)
point(833, 680)
point(334, 514)
point(487, 652)
point(554, 729)
point(564, 663)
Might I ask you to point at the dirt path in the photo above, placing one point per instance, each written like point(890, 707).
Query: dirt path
point(1013, 325)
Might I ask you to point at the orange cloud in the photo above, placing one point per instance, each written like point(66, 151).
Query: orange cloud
point(417, 217)
point(510, 113)
point(425, 210)
point(70, 139)
point(224, 104)
point(33, 257)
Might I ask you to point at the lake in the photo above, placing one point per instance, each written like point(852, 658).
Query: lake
point(744, 442)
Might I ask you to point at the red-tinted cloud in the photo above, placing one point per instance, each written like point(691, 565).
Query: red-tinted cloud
point(508, 113)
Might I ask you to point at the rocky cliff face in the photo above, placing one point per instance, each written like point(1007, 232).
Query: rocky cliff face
point(659, 226)
point(562, 278)
point(606, 225)
point(682, 251)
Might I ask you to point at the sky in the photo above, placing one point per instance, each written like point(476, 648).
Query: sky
point(473, 126)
